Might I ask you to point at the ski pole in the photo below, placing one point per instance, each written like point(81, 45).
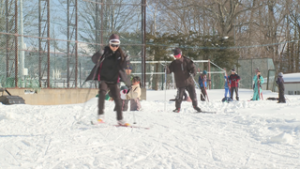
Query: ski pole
point(205, 91)
point(134, 121)
point(197, 85)
point(165, 87)
point(206, 95)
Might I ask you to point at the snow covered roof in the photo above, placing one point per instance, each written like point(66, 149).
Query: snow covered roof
point(291, 77)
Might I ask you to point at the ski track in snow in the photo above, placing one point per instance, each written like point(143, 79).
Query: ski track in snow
point(259, 134)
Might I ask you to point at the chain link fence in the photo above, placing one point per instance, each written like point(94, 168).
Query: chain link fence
point(156, 77)
point(247, 71)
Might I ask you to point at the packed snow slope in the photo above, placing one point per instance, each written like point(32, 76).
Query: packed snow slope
point(243, 134)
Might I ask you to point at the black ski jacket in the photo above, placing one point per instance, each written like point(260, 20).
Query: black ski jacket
point(182, 68)
point(280, 83)
point(109, 67)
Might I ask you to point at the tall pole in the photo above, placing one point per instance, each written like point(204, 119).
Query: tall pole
point(101, 27)
point(68, 43)
point(7, 39)
point(40, 45)
point(143, 43)
point(22, 57)
point(97, 25)
point(48, 44)
point(16, 43)
point(76, 43)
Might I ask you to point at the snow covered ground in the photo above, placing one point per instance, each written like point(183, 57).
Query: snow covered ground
point(244, 134)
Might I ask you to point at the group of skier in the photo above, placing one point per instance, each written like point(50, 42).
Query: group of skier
point(231, 85)
point(111, 67)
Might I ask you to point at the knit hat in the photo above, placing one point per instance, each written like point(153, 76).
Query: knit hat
point(204, 72)
point(280, 74)
point(114, 39)
point(128, 66)
point(177, 51)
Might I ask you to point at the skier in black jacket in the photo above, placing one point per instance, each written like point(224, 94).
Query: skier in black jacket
point(182, 68)
point(280, 83)
point(109, 69)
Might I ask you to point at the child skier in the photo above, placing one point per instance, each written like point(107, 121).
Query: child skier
point(203, 84)
point(134, 95)
point(234, 79)
point(227, 88)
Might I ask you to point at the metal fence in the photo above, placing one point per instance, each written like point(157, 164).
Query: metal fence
point(247, 71)
point(156, 77)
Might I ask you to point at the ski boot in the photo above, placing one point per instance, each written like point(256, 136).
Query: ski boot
point(123, 123)
point(100, 118)
point(197, 109)
point(177, 110)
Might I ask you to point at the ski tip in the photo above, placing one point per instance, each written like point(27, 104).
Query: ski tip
point(139, 127)
point(207, 112)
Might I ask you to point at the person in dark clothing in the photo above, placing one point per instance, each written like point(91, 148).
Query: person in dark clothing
point(185, 97)
point(234, 80)
point(128, 70)
point(183, 67)
point(203, 84)
point(108, 70)
point(280, 83)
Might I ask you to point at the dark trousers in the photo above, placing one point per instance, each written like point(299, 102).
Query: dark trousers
point(203, 94)
point(234, 89)
point(115, 94)
point(281, 96)
point(192, 92)
point(124, 105)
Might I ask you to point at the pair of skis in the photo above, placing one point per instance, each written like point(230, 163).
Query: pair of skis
point(117, 125)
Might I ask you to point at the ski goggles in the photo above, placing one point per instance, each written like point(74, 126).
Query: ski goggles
point(177, 56)
point(114, 41)
point(115, 46)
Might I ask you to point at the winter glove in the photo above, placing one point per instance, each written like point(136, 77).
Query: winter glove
point(128, 90)
point(123, 94)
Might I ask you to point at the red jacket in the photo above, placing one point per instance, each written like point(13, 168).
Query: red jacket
point(234, 80)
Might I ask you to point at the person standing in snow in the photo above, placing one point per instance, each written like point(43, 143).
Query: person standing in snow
point(134, 95)
point(280, 83)
point(108, 68)
point(258, 81)
point(183, 67)
point(203, 84)
point(234, 79)
point(226, 87)
point(185, 97)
